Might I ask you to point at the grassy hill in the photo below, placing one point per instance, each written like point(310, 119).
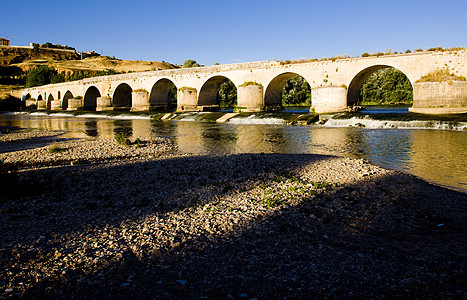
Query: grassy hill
point(20, 60)
point(96, 64)
point(70, 61)
point(10, 56)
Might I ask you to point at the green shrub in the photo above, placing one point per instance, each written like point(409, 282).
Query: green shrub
point(55, 148)
point(248, 83)
point(190, 63)
point(138, 143)
point(435, 49)
point(121, 139)
point(40, 76)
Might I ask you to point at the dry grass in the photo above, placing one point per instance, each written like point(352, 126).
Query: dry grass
point(96, 64)
point(440, 76)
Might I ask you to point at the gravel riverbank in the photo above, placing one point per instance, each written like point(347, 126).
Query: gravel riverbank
point(100, 220)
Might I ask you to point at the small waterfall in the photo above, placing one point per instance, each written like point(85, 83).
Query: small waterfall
point(98, 115)
point(372, 121)
point(368, 122)
point(256, 119)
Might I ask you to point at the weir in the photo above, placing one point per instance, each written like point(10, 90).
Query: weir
point(335, 85)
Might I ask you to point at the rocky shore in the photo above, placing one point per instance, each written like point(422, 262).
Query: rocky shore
point(101, 220)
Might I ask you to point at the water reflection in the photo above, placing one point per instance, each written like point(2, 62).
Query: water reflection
point(440, 157)
point(91, 128)
point(385, 110)
point(123, 126)
point(389, 148)
point(435, 155)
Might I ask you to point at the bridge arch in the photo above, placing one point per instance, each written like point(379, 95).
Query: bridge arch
point(90, 98)
point(208, 94)
point(49, 101)
point(58, 95)
point(163, 92)
point(355, 85)
point(26, 97)
point(68, 95)
point(122, 97)
point(273, 93)
point(39, 97)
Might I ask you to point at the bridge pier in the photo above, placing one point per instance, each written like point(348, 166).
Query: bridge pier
point(56, 105)
point(75, 104)
point(439, 97)
point(187, 99)
point(103, 103)
point(328, 99)
point(41, 104)
point(250, 97)
point(31, 103)
point(140, 100)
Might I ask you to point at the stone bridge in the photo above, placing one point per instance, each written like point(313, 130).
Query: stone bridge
point(335, 85)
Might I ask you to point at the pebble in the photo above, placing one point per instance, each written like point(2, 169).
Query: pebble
point(179, 214)
point(182, 282)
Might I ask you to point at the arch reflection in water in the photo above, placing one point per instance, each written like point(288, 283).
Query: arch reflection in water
point(123, 127)
point(387, 148)
point(205, 138)
point(91, 128)
point(188, 136)
point(219, 139)
point(439, 156)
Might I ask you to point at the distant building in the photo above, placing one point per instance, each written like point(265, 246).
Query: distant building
point(4, 42)
point(89, 54)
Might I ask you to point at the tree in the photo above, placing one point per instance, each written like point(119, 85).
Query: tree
point(56, 78)
point(40, 76)
point(190, 63)
point(296, 92)
point(387, 86)
point(172, 96)
point(227, 94)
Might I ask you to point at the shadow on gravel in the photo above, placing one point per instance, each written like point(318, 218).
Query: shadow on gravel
point(30, 143)
point(392, 236)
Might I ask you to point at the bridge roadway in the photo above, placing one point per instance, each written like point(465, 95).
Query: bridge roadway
point(335, 85)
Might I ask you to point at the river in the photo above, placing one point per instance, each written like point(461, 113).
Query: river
point(437, 156)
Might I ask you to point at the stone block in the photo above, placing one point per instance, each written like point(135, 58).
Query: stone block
point(56, 105)
point(104, 103)
point(250, 97)
point(440, 97)
point(187, 99)
point(41, 104)
point(75, 104)
point(140, 100)
point(328, 99)
point(30, 103)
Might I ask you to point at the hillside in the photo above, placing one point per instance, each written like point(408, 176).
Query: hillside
point(96, 64)
point(15, 62)
point(12, 55)
point(70, 61)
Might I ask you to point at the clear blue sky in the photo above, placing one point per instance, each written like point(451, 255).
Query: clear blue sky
point(236, 31)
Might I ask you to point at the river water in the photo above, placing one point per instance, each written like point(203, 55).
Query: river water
point(437, 156)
